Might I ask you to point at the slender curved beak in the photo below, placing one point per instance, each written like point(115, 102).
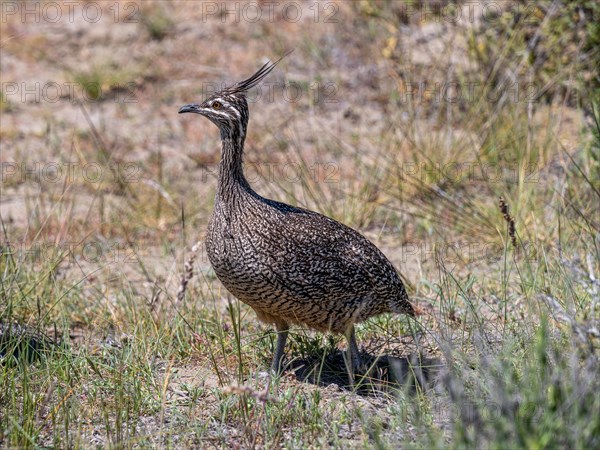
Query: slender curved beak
point(189, 109)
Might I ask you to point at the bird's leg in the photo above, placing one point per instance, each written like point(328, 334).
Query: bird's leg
point(352, 356)
point(282, 334)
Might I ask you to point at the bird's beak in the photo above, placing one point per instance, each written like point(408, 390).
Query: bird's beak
point(189, 109)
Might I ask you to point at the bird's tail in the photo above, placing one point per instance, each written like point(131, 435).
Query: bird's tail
point(402, 304)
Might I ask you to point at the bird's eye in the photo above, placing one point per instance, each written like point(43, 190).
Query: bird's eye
point(216, 105)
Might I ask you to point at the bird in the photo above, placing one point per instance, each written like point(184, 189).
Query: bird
point(291, 265)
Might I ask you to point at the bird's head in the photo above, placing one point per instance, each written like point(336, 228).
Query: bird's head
point(228, 108)
point(228, 111)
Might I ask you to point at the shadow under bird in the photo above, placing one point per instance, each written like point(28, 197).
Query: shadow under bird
point(291, 265)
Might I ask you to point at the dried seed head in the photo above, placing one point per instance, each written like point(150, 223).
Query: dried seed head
point(512, 231)
point(188, 273)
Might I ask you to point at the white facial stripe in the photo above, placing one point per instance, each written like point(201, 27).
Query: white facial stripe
point(218, 113)
point(225, 105)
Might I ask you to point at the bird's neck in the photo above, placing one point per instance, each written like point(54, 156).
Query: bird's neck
point(232, 181)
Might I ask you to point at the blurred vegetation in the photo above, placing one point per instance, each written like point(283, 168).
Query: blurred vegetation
point(594, 147)
point(552, 45)
point(156, 20)
point(102, 80)
point(4, 104)
point(516, 326)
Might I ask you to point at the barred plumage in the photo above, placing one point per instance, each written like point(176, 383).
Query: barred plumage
point(291, 265)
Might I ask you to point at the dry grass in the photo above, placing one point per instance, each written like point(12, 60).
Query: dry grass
point(106, 189)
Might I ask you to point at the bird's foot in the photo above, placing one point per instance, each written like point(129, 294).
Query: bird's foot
point(358, 365)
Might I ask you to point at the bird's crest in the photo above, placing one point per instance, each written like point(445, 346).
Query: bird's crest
point(244, 86)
